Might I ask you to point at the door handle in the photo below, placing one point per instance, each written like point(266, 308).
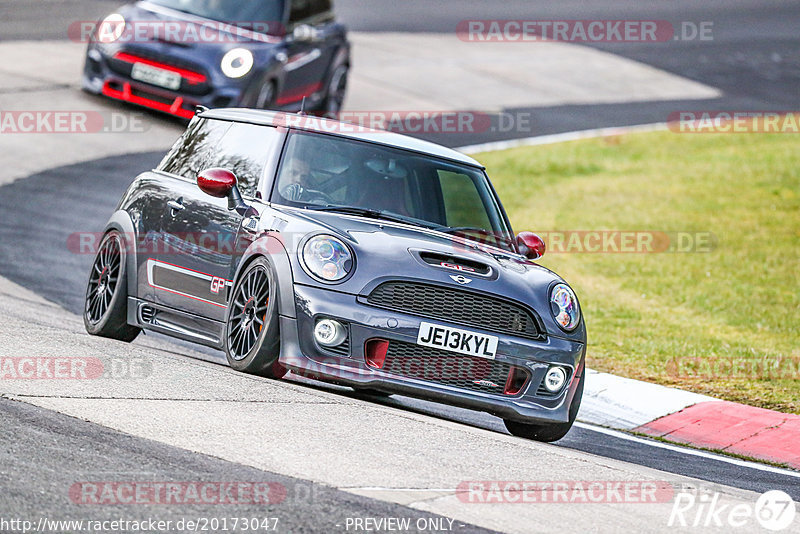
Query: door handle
point(176, 206)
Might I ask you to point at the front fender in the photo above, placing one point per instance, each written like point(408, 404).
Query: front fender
point(121, 222)
point(274, 252)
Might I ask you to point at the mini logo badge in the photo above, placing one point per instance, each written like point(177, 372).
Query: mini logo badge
point(485, 383)
point(461, 279)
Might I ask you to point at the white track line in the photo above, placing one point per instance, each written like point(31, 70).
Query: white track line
point(689, 451)
point(562, 137)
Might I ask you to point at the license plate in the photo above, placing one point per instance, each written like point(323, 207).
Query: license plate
point(156, 76)
point(457, 340)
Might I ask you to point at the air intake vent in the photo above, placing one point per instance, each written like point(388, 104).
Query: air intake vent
point(448, 261)
point(148, 314)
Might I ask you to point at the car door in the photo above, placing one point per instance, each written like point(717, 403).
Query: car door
point(207, 236)
point(309, 57)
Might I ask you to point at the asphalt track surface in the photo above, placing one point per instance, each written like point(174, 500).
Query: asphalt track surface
point(753, 59)
point(70, 451)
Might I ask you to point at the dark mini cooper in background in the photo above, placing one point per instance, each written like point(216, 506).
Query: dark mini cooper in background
point(173, 55)
point(359, 257)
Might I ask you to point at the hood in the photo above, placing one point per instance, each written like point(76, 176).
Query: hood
point(177, 31)
point(390, 251)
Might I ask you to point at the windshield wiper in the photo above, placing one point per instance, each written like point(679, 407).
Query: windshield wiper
point(463, 229)
point(372, 214)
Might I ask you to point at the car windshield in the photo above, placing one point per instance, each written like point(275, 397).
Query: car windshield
point(324, 172)
point(246, 14)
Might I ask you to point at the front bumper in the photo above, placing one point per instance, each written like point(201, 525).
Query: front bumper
point(100, 78)
point(301, 354)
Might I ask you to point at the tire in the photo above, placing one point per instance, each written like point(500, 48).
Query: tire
point(552, 432)
point(252, 341)
point(337, 88)
point(373, 392)
point(105, 310)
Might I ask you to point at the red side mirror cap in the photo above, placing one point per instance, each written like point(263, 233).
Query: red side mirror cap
point(216, 182)
point(531, 245)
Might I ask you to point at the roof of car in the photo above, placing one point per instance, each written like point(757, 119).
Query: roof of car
point(343, 129)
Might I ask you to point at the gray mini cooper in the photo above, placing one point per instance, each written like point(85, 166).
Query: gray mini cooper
point(348, 255)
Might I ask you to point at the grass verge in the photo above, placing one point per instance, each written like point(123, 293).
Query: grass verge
point(723, 322)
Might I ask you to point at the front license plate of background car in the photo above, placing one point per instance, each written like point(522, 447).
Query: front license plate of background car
point(457, 340)
point(155, 76)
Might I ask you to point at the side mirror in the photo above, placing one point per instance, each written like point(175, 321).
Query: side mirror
point(303, 33)
point(221, 183)
point(530, 245)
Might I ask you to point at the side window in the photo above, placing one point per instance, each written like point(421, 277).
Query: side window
point(195, 149)
point(463, 205)
point(243, 151)
point(302, 10)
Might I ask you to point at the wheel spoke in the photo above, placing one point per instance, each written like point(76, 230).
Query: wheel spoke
point(241, 343)
point(234, 336)
point(251, 332)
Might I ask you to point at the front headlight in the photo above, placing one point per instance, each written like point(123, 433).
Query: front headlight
point(564, 306)
point(237, 62)
point(110, 29)
point(327, 258)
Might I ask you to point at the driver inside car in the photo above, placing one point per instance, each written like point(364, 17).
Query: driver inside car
point(296, 180)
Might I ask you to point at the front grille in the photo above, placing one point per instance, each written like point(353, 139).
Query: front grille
point(456, 306)
point(448, 368)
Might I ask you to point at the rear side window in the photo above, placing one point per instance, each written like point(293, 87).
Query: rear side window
point(244, 151)
point(195, 149)
point(302, 10)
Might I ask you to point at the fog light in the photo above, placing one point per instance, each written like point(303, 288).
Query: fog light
point(554, 379)
point(329, 333)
